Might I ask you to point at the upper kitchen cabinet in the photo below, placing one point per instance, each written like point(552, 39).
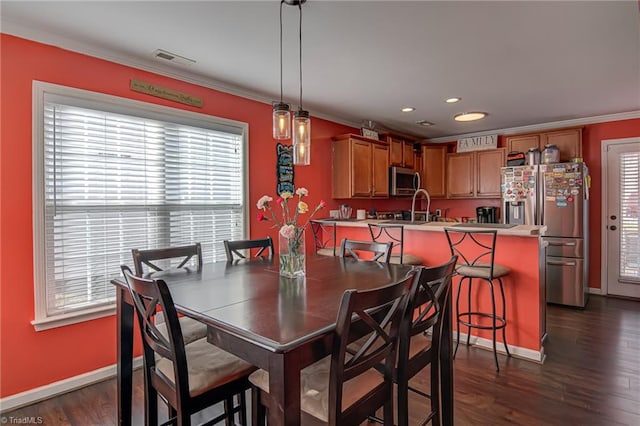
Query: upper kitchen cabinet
point(360, 167)
point(474, 174)
point(401, 152)
point(568, 141)
point(432, 170)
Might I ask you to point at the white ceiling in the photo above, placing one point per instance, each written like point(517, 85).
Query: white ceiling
point(524, 63)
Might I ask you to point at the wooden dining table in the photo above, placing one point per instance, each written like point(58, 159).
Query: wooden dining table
point(278, 324)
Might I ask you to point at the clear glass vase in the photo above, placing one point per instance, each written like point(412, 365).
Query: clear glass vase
point(291, 254)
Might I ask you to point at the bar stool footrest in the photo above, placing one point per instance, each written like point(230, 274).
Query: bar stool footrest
point(500, 322)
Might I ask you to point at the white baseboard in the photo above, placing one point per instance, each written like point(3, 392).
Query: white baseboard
point(595, 291)
point(516, 351)
point(32, 396)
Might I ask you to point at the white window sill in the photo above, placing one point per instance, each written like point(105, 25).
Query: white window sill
point(73, 318)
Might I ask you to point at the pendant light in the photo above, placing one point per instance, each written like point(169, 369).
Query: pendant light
point(281, 121)
point(301, 120)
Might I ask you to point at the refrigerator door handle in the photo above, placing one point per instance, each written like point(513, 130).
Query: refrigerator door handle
point(557, 263)
point(570, 244)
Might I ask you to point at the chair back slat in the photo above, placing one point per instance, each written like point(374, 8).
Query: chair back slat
point(161, 258)
point(380, 252)
point(233, 248)
point(378, 312)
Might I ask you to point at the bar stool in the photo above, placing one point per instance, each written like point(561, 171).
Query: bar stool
point(394, 234)
point(476, 251)
point(324, 237)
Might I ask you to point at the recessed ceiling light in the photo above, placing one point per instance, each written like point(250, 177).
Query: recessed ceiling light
point(408, 109)
point(453, 100)
point(424, 123)
point(470, 116)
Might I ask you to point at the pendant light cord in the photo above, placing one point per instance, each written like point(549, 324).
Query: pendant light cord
point(281, 4)
point(300, 40)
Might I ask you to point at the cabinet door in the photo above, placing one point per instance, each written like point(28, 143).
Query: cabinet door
point(380, 170)
point(488, 165)
point(395, 151)
point(361, 169)
point(408, 155)
point(568, 141)
point(432, 172)
point(460, 175)
point(522, 143)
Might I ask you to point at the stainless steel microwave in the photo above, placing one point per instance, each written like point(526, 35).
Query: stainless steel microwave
point(403, 182)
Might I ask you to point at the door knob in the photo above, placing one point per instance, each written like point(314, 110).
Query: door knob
point(613, 227)
point(614, 217)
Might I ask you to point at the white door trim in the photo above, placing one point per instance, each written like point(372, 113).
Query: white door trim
point(604, 285)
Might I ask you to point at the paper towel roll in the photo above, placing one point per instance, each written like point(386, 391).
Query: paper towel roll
point(361, 214)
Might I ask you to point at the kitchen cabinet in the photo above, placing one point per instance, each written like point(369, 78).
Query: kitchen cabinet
point(432, 170)
point(474, 174)
point(568, 141)
point(360, 167)
point(401, 152)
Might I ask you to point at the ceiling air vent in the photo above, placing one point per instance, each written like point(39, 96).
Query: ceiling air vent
point(172, 57)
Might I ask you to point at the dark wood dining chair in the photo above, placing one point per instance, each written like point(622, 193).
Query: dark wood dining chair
point(420, 335)
point(189, 377)
point(148, 261)
point(324, 237)
point(344, 388)
point(233, 248)
point(380, 252)
point(419, 341)
point(152, 260)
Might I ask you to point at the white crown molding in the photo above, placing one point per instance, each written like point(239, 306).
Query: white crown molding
point(52, 39)
point(543, 126)
point(34, 395)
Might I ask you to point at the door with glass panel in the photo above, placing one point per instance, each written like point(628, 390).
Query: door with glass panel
point(621, 161)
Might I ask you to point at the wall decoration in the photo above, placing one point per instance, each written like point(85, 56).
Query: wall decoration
point(284, 168)
point(477, 143)
point(165, 93)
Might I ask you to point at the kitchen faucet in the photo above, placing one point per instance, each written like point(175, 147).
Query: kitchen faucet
point(413, 203)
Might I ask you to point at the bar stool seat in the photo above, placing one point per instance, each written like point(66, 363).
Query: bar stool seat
point(406, 259)
point(476, 252)
point(482, 270)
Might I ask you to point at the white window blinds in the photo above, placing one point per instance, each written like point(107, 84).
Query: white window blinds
point(629, 216)
point(113, 182)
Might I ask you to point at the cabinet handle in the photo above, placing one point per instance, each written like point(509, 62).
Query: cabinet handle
point(562, 244)
point(551, 262)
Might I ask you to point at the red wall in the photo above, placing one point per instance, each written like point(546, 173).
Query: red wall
point(592, 138)
point(84, 347)
point(87, 346)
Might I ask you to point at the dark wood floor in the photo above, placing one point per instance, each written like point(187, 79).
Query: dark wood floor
point(591, 377)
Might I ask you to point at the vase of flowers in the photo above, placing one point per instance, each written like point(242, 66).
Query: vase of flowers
point(291, 234)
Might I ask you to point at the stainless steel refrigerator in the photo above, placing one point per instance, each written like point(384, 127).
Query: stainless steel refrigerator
point(557, 196)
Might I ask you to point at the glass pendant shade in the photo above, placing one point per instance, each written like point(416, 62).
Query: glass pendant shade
point(301, 138)
point(281, 121)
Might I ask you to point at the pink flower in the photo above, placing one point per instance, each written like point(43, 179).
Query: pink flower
point(280, 200)
point(261, 217)
point(288, 231)
point(264, 202)
point(323, 204)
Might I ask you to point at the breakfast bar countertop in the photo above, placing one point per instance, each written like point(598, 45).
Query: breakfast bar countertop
point(516, 231)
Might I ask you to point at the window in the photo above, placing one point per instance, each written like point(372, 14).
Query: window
point(113, 174)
